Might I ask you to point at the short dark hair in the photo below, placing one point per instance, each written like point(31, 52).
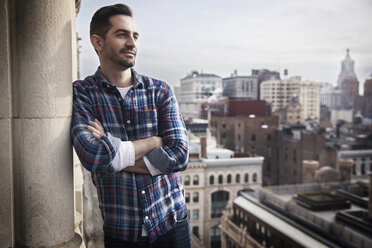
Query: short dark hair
point(101, 24)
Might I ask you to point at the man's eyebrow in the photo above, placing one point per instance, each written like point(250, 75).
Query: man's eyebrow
point(120, 30)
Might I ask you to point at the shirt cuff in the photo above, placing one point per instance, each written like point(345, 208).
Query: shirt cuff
point(153, 170)
point(124, 156)
point(160, 160)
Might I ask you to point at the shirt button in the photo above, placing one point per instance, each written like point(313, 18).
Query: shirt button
point(143, 192)
point(146, 217)
point(128, 121)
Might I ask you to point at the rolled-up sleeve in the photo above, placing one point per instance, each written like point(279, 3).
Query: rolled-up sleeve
point(173, 156)
point(96, 155)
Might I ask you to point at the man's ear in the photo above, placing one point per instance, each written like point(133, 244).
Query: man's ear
point(97, 42)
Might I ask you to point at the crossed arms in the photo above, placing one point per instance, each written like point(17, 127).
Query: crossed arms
point(141, 147)
point(168, 153)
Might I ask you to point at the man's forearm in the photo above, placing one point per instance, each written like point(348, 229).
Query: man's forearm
point(141, 148)
point(144, 146)
point(139, 167)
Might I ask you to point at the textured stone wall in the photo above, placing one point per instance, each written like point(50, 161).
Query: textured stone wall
point(37, 66)
point(6, 195)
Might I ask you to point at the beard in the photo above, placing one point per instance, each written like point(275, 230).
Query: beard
point(126, 61)
point(129, 61)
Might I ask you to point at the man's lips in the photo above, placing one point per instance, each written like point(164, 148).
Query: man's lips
point(128, 52)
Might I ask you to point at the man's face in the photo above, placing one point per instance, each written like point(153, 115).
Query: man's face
point(120, 43)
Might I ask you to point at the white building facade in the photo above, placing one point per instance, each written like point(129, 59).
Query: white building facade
point(209, 184)
point(195, 88)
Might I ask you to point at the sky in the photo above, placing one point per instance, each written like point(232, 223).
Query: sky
point(309, 38)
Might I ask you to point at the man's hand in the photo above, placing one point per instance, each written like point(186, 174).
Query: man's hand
point(96, 129)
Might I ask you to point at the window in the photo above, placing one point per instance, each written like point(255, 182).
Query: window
point(215, 237)
point(294, 155)
point(286, 154)
point(195, 197)
point(223, 125)
point(196, 180)
point(246, 177)
point(238, 137)
point(237, 178)
point(253, 137)
point(220, 179)
point(218, 202)
point(211, 180)
point(268, 137)
point(187, 197)
point(253, 150)
point(195, 231)
point(254, 179)
point(229, 178)
point(187, 180)
point(195, 214)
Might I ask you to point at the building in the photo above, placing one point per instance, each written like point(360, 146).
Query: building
point(243, 134)
point(309, 215)
point(196, 88)
point(330, 96)
point(279, 93)
point(240, 87)
point(265, 75)
point(342, 114)
point(209, 184)
point(367, 98)
point(212, 179)
point(292, 112)
point(362, 160)
point(348, 83)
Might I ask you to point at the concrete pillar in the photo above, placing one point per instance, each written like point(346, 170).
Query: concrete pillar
point(42, 39)
point(308, 170)
point(6, 172)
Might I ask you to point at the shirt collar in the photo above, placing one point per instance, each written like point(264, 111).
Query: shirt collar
point(102, 80)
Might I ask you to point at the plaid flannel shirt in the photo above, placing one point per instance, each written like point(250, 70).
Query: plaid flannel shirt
point(128, 200)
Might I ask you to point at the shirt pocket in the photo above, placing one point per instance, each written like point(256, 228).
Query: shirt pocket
point(146, 122)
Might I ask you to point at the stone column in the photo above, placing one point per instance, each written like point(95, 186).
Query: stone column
point(42, 38)
point(6, 172)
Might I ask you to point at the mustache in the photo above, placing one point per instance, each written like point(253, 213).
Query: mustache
point(123, 50)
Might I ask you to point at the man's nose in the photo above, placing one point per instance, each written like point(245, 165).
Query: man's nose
point(131, 42)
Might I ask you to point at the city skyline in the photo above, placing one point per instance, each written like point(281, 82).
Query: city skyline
point(307, 38)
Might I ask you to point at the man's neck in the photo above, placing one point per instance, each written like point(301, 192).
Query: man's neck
point(120, 78)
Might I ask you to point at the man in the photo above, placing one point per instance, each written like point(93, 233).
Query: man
point(127, 130)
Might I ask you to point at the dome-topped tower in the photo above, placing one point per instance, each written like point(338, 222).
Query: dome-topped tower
point(347, 69)
point(348, 83)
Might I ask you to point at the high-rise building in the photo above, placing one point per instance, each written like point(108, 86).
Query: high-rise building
point(348, 82)
point(195, 88)
point(309, 98)
point(240, 87)
point(280, 94)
